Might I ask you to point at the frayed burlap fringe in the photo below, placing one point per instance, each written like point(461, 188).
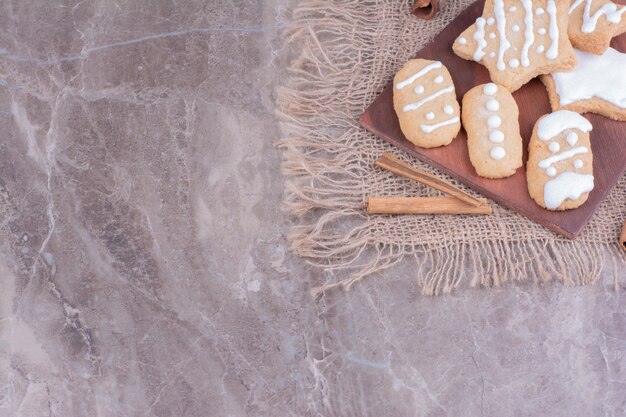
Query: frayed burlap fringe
point(348, 51)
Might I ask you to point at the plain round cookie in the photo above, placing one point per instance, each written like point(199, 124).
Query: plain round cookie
point(424, 99)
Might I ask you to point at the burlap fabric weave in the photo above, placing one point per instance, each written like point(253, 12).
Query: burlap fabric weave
point(348, 50)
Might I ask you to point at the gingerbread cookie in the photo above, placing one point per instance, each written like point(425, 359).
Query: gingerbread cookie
point(516, 40)
point(596, 84)
point(490, 118)
point(593, 23)
point(560, 162)
point(425, 102)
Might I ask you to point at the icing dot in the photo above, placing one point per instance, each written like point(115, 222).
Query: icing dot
point(540, 49)
point(439, 79)
point(490, 89)
point(430, 115)
point(514, 63)
point(515, 28)
point(496, 136)
point(493, 105)
point(492, 35)
point(513, 9)
point(491, 21)
point(419, 89)
point(539, 11)
point(542, 31)
point(448, 109)
point(498, 153)
point(554, 147)
point(462, 41)
point(578, 164)
point(551, 171)
point(572, 138)
point(492, 54)
point(494, 122)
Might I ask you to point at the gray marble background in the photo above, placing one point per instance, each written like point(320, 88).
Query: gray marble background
point(143, 262)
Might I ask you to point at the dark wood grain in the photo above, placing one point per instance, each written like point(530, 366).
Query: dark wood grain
point(608, 137)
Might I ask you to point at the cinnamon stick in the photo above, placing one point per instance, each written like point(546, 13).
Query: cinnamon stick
point(622, 239)
point(424, 205)
point(425, 9)
point(393, 164)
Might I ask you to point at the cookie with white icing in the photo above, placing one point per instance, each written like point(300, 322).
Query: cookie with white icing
point(593, 23)
point(517, 40)
point(597, 84)
point(425, 101)
point(490, 118)
point(560, 162)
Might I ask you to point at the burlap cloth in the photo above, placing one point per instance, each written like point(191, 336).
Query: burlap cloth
point(348, 50)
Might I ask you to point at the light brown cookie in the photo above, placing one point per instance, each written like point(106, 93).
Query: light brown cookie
point(560, 163)
point(596, 84)
point(490, 118)
point(425, 102)
point(518, 40)
point(593, 23)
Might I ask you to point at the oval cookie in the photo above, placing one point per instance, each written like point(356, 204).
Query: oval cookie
point(490, 118)
point(425, 102)
point(560, 162)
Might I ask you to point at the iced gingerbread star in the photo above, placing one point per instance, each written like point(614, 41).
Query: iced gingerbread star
point(593, 23)
point(517, 40)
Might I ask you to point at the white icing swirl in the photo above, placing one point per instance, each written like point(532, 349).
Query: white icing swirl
point(590, 22)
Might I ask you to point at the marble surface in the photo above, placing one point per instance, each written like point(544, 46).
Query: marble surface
point(143, 263)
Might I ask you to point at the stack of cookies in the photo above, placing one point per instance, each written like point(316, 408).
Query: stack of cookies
point(566, 43)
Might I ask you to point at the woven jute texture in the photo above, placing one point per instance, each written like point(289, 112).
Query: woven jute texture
point(347, 51)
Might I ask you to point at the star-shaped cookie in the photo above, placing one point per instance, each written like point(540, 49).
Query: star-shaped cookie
point(595, 85)
point(516, 40)
point(593, 23)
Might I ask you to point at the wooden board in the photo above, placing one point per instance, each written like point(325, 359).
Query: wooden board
point(608, 138)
